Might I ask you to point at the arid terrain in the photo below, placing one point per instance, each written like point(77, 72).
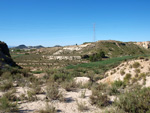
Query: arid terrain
point(95, 77)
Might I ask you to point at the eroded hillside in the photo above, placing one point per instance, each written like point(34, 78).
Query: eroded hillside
point(68, 55)
point(53, 80)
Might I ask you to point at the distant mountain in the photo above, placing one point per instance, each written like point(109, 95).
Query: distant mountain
point(21, 47)
point(28, 47)
point(37, 47)
point(57, 46)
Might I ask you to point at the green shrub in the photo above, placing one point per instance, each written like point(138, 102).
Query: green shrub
point(134, 80)
point(31, 95)
point(122, 72)
point(10, 95)
point(113, 91)
point(136, 65)
point(141, 75)
point(127, 78)
point(137, 71)
point(6, 85)
point(135, 101)
point(99, 99)
point(115, 86)
point(6, 106)
point(97, 56)
point(117, 83)
point(99, 95)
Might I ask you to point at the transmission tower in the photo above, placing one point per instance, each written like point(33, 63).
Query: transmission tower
point(94, 32)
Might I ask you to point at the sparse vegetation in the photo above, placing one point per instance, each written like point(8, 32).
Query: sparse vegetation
point(58, 77)
point(97, 56)
point(82, 106)
point(83, 92)
point(137, 71)
point(31, 95)
point(6, 85)
point(127, 78)
point(114, 89)
point(48, 109)
point(135, 101)
point(136, 65)
point(122, 72)
point(53, 93)
point(70, 85)
point(99, 96)
point(7, 106)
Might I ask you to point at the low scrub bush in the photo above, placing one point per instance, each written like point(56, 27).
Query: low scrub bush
point(6, 85)
point(31, 95)
point(82, 106)
point(53, 93)
point(118, 83)
point(136, 65)
point(6, 106)
point(127, 78)
point(137, 71)
point(114, 89)
point(83, 93)
point(97, 56)
point(48, 109)
point(70, 85)
point(122, 72)
point(10, 95)
point(99, 95)
point(135, 101)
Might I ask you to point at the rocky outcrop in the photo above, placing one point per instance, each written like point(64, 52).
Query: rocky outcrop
point(5, 57)
point(4, 49)
point(144, 44)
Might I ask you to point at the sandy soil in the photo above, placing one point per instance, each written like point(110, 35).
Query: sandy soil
point(115, 74)
point(69, 106)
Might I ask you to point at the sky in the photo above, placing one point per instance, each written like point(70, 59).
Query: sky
point(68, 22)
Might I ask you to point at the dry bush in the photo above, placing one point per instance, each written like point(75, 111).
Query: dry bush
point(122, 72)
point(136, 65)
point(81, 106)
point(48, 109)
point(70, 85)
point(53, 93)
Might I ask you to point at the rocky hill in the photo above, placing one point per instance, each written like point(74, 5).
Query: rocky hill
point(28, 47)
point(110, 47)
point(135, 70)
point(144, 44)
point(5, 58)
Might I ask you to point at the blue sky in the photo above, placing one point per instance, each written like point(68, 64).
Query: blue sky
point(67, 22)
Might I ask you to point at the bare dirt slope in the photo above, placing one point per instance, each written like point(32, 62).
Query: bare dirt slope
point(136, 68)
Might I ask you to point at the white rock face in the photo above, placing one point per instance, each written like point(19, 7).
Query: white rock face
point(64, 57)
point(82, 80)
point(144, 44)
point(58, 52)
point(71, 48)
point(77, 47)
